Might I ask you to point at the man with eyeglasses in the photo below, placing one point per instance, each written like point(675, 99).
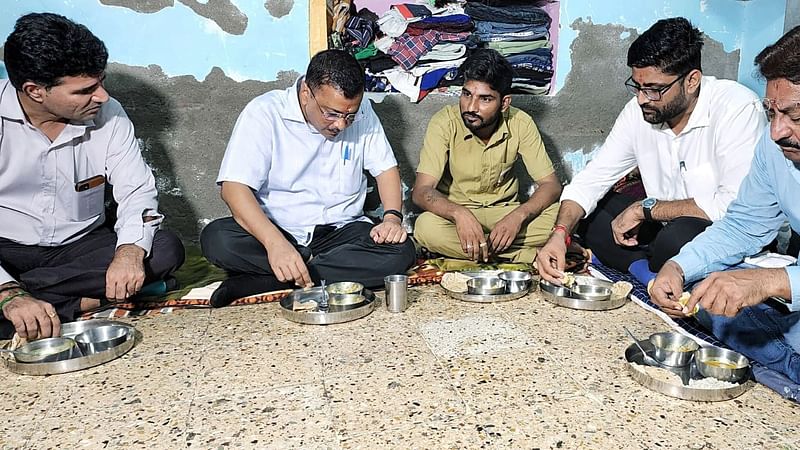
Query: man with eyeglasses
point(732, 301)
point(466, 181)
point(293, 178)
point(692, 139)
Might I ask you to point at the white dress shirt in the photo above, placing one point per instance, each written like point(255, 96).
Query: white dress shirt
point(301, 179)
point(38, 177)
point(706, 162)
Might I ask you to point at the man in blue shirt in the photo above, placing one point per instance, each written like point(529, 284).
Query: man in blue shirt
point(732, 301)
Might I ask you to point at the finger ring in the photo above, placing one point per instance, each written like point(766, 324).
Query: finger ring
point(469, 246)
point(51, 314)
point(483, 244)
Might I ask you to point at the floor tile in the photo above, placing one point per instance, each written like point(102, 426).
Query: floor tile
point(294, 416)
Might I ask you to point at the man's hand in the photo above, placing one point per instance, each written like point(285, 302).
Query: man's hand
point(32, 318)
point(287, 264)
point(125, 274)
point(550, 260)
point(727, 293)
point(470, 233)
point(390, 231)
point(505, 231)
point(667, 289)
point(625, 226)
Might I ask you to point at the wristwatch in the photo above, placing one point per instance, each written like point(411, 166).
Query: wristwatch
point(647, 206)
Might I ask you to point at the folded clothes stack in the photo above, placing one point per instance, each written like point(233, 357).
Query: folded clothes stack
point(414, 48)
point(519, 31)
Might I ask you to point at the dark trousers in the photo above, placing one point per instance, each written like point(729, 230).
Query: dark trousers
point(657, 242)
point(62, 275)
point(344, 254)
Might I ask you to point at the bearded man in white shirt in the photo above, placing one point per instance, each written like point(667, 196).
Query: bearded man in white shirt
point(62, 139)
point(293, 178)
point(692, 138)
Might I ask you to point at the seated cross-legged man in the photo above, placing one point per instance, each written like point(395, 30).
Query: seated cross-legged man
point(62, 140)
point(466, 181)
point(692, 138)
point(732, 301)
point(293, 178)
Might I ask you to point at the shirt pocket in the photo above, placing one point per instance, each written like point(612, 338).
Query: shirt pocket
point(700, 181)
point(350, 168)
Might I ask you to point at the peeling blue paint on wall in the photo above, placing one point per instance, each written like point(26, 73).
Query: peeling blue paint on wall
point(182, 42)
point(745, 25)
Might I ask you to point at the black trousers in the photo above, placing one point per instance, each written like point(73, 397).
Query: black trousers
point(62, 275)
point(657, 242)
point(344, 254)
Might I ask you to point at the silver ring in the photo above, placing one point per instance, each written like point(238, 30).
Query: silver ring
point(469, 246)
point(484, 244)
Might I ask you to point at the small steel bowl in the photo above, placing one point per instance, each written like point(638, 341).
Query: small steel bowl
point(96, 340)
point(47, 350)
point(591, 292)
point(550, 288)
point(516, 280)
point(486, 286)
point(673, 349)
point(722, 364)
point(345, 299)
point(345, 287)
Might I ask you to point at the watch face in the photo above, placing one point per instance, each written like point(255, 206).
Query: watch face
point(648, 202)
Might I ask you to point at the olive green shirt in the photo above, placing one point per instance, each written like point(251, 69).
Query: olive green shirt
point(474, 174)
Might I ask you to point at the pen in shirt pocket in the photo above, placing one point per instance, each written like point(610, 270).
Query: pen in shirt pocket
point(345, 154)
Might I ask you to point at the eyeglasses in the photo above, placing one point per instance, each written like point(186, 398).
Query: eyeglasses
point(652, 94)
point(332, 116)
point(770, 105)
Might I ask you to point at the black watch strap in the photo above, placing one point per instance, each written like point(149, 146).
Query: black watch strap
point(648, 214)
point(393, 212)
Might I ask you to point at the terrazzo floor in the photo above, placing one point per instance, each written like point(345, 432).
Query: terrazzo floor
point(445, 374)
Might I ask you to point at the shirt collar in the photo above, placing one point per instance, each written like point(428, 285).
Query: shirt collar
point(293, 111)
point(499, 134)
point(9, 103)
point(701, 115)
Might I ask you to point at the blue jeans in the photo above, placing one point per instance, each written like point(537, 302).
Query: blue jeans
point(763, 334)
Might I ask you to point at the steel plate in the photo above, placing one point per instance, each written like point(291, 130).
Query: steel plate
point(634, 356)
point(72, 329)
point(568, 299)
point(334, 313)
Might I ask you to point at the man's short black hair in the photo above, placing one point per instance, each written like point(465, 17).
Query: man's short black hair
point(488, 65)
point(781, 59)
point(45, 47)
point(337, 69)
point(670, 45)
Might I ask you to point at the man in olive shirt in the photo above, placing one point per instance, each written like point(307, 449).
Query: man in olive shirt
point(465, 179)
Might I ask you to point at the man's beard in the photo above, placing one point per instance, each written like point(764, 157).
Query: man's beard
point(670, 111)
point(482, 124)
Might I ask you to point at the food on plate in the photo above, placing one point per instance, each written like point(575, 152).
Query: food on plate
point(455, 282)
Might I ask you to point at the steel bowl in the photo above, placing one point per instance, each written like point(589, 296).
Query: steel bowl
point(591, 292)
point(722, 364)
point(47, 350)
point(553, 289)
point(99, 339)
point(345, 299)
point(345, 287)
point(673, 349)
point(516, 280)
point(486, 286)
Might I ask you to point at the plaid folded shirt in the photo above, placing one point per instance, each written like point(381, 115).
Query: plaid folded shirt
point(407, 49)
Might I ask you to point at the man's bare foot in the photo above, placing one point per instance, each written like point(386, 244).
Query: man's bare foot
point(89, 303)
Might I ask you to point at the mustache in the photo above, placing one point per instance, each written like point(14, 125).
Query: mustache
point(474, 116)
point(786, 142)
